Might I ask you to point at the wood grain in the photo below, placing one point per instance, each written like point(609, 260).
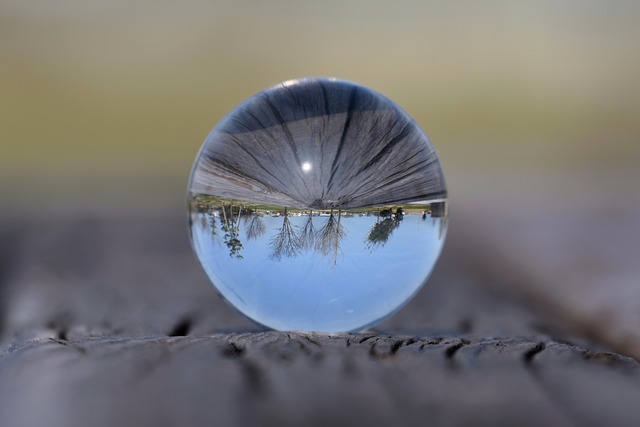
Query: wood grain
point(359, 147)
point(109, 321)
point(276, 378)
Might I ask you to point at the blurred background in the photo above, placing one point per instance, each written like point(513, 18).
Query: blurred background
point(534, 108)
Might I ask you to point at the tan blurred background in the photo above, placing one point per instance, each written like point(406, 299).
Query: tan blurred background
point(533, 106)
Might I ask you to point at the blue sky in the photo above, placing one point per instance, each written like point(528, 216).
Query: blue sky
point(309, 291)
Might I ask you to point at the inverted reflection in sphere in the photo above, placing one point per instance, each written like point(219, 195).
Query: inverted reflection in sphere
point(317, 205)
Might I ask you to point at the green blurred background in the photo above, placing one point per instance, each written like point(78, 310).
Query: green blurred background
point(104, 104)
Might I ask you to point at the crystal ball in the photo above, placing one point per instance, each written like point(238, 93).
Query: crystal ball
point(317, 205)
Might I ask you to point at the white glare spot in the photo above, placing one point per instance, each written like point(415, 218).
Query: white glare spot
point(306, 167)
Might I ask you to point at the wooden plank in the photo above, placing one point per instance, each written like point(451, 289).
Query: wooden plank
point(319, 144)
point(277, 378)
point(109, 321)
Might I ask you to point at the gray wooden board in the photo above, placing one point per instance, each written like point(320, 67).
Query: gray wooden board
point(360, 150)
point(108, 320)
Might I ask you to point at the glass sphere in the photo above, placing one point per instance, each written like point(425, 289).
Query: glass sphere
point(317, 205)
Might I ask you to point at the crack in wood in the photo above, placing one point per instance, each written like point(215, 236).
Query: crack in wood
point(234, 350)
point(182, 328)
point(532, 352)
point(451, 351)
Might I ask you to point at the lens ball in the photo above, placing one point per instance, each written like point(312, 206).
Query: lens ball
point(317, 205)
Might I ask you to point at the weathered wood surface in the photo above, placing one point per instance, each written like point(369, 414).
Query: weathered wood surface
point(111, 322)
point(575, 244)
point(359, 150)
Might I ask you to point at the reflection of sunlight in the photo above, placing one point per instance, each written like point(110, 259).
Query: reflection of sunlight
point(306, 167)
